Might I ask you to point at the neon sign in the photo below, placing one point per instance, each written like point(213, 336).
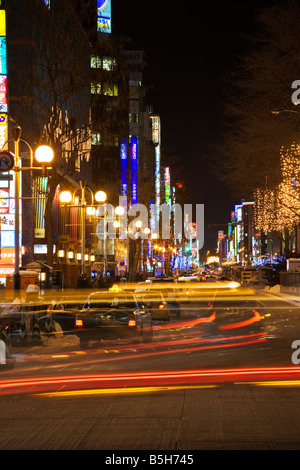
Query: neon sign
point(157, 179)
point(134, 171)
point(3, 93)
point(3, 132)
point(3, 67)
point(124, 167)
point(167, 185)
point(104, 16)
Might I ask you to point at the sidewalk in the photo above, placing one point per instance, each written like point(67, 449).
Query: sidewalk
point(275, 290)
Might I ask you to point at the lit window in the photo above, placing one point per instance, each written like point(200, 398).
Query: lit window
point(108, 63)
point(110, 90)
point(95, 61)
point(96, 138)
point(133, 117)
point(96, 88)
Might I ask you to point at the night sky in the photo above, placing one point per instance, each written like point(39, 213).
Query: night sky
point(190, 48)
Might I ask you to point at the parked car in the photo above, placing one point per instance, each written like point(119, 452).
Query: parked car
point(113, 315)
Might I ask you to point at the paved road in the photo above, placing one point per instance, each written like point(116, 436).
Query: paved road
point(230, 416)
point(240, 397)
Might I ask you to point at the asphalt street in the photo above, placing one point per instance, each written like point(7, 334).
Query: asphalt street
point(187, 392)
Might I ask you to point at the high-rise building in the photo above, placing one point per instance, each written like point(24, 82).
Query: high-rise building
point(45, 50)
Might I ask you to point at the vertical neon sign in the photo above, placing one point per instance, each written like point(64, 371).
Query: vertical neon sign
point(157, 180)
point(156, 141)
point(3, 83)
point(124, 167)
point(167, 186)
point(134, 170)
point(3, 66)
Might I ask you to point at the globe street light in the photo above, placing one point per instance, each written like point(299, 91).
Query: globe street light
point(66, 198)
point(119, 211)
point(45, 156)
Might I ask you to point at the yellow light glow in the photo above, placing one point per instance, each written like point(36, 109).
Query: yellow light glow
point(126, 391)
point(2, 23)
point(44, 154)
point(100, 196)
point(120, 210)
point(65, 196)
point(90, 211)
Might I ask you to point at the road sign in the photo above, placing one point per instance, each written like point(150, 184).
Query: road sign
point(7, 160)
point(246, 275)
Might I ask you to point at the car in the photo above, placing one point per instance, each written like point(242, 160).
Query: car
point(59, 318)
point(54, 317)
point(15, 312)
point(161, 296)
point(155, 304)
point(113, 315)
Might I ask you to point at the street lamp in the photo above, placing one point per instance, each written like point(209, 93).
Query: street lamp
point(119, 211)
point(44, 155)
point(66, 197)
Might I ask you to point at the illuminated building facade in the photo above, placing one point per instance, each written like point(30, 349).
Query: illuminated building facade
point(25, 55)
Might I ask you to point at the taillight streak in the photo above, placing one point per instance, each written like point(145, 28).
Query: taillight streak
point(256, 317)
point(33, 385)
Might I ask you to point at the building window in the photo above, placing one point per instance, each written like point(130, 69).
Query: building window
point(96, 88)
point(107, 89)
point(96, 139)
point(95, 61)
point(109, 63)
point(133, 117)
point(110, 89)
point(105, 63)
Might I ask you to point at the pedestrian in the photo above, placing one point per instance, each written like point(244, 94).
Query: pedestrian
point(30, 330)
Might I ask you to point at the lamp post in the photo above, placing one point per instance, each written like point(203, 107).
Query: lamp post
point(66, 197)
point(119, 212)
point(44, 155)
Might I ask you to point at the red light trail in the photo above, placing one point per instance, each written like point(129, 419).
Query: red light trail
point(183, 377)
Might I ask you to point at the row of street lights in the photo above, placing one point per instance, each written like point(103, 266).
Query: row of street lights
point(44, 155)
point(66, 197)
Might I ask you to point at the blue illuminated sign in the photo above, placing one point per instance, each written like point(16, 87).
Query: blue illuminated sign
point(124, 167)
point(8, 239)
point(3, 67)
point(238, 212)
point(134, 171)
point(104, 16)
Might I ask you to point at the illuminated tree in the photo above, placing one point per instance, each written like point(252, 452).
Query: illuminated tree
point(278, 209)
